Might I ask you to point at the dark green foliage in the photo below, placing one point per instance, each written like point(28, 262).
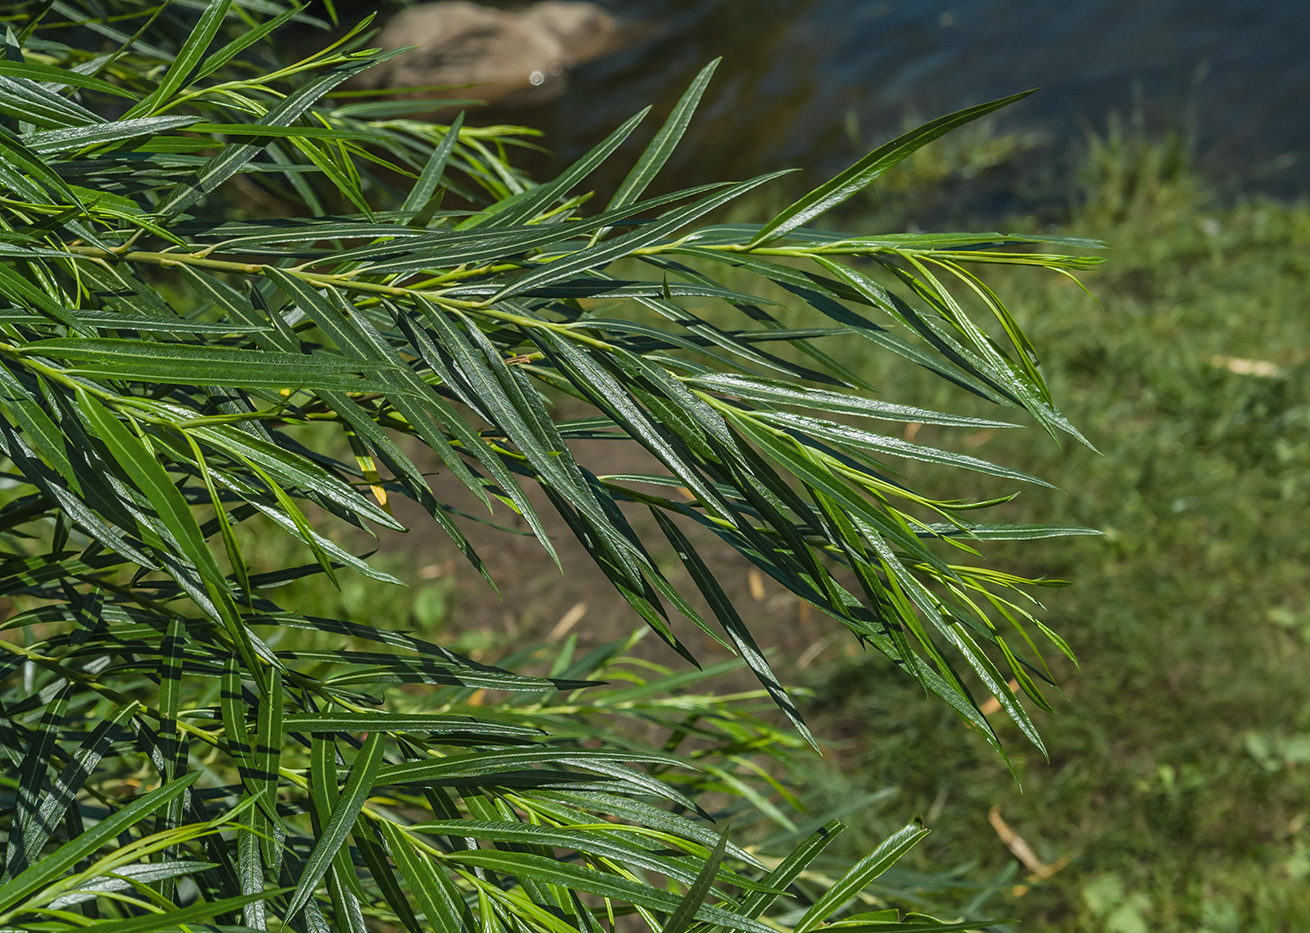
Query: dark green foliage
point(168, 350)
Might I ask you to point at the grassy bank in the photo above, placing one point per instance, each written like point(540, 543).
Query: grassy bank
point(1179, 782)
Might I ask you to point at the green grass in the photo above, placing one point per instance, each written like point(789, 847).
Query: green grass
point(1180, 763)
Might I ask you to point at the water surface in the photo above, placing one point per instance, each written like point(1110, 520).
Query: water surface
point(797, 75)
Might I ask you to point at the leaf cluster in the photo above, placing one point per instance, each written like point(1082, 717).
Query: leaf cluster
point(166, 346)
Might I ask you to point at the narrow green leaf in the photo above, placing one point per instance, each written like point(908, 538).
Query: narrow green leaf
point(883, 598)
point(1011, 532)
point(120, 320)
point(234, 556)
point(847, 436)
point(384, 721)
point(551, 871)
point(140, 873)
point(250, 870)
point(792, 455)
point(774, 392)
point(517, 210)
point(463, 766)
point(860, 875)
point(242, 42)
point(66, 77)
point(51, 142)
point(178, 918)
point(516, 410)
point(608, 845)
point(281, 132)
point(420, 415)
point(430, 178)
point(149, 476)
point(641, 813)
point(187, 364)
point(756, 903)
point(665, 141)
point(24, 99)
point(996, 684)
point(267, 759)
point(685, 915)
point(1009, 386)
point(298, 472)
point(859, 175)
point(404, 251)
point(732, 623)
point(384, 875)
point(473, 443)
point(77, 511)
point(607, 394)
point(359, 785)
point(186, 60)
point(914, 923)
point(610, 250)
point(427, 883)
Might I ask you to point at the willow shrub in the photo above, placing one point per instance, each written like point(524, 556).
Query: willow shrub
point(168, 356)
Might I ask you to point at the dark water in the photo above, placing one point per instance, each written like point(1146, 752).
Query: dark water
point(798, 73)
